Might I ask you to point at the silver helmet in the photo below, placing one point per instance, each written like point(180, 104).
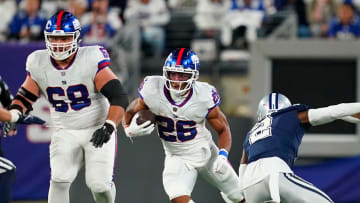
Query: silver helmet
point(271, 103)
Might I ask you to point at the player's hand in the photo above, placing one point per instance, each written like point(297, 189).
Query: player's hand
point(102, 135)
point(220, 162)
point(9, 129)
point(17, 117)
point(134, 130)
point(29, 119)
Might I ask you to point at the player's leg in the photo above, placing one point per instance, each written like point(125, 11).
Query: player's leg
point(7, 179)
point(228, 182)
point(178, 179)
point(296, 190)
point(266, 190)
point(65, 161)
point(99, 169)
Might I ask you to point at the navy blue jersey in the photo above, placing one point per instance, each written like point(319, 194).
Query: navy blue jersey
point(5, 99)
point(278, 134)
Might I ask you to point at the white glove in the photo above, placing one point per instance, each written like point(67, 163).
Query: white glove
point(220, 162)
point(135, 130)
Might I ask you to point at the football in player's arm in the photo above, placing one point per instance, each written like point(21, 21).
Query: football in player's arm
point(271, 148)
point(87, 104)
point(182, 107)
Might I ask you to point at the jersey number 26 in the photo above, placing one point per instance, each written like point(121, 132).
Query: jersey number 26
point(169, 129)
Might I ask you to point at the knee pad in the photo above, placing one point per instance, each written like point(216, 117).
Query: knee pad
point(191, 201)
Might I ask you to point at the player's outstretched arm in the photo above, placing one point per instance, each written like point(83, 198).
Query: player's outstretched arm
point(346, 111)
point(131, 128)
point(5, 116)
point(352, 119)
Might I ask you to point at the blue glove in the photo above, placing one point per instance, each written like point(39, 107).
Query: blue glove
point(29, 119)
point(10, 128)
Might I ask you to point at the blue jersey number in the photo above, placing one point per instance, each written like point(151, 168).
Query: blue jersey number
point(77, 94)
point(169, 130)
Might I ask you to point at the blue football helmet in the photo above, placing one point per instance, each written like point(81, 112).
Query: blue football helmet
point(181, 60)
point(63, 23)
point(271, 103)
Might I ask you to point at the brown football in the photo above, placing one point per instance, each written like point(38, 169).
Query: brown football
point(145, 115)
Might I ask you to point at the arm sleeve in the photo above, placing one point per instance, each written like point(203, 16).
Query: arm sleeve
point(350, 119)
point(114, 91)
point(328, 114)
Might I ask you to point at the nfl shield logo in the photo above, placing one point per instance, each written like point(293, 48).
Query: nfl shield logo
point(62, 73)
point(174, 109)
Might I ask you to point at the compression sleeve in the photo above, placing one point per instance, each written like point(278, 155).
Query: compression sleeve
point(328, 114)
point(350, 119)
point(115, 93)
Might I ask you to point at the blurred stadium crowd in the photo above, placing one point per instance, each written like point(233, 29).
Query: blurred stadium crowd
point(233, 22)
point(138, 33)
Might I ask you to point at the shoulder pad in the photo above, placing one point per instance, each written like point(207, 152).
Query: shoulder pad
point(295, 107)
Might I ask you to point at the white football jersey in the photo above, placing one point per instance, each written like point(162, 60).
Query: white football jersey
point(75, 102)
point(181, 126)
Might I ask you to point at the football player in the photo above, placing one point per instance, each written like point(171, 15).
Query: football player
point(271, 148)
point(87, 103)
point(182, 107)
point(7, 168)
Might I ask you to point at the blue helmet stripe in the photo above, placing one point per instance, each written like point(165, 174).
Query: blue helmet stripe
point(270, 101)
point(276, 100)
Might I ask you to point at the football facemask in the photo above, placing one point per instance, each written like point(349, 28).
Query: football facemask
point(62, 25)
point(181, 61)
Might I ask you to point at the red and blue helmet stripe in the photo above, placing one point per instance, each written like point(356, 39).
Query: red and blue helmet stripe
point(184, 58)
point(64, 21)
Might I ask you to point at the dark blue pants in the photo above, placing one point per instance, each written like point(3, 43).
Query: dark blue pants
point(7, 180)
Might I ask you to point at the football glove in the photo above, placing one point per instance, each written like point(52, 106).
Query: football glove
point(10, 128)
point(135, 130)
point(220, 162)
point(102, 135)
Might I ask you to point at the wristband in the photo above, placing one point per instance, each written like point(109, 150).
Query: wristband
point(15, 114)
point(111, 123)
point(223, 152)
